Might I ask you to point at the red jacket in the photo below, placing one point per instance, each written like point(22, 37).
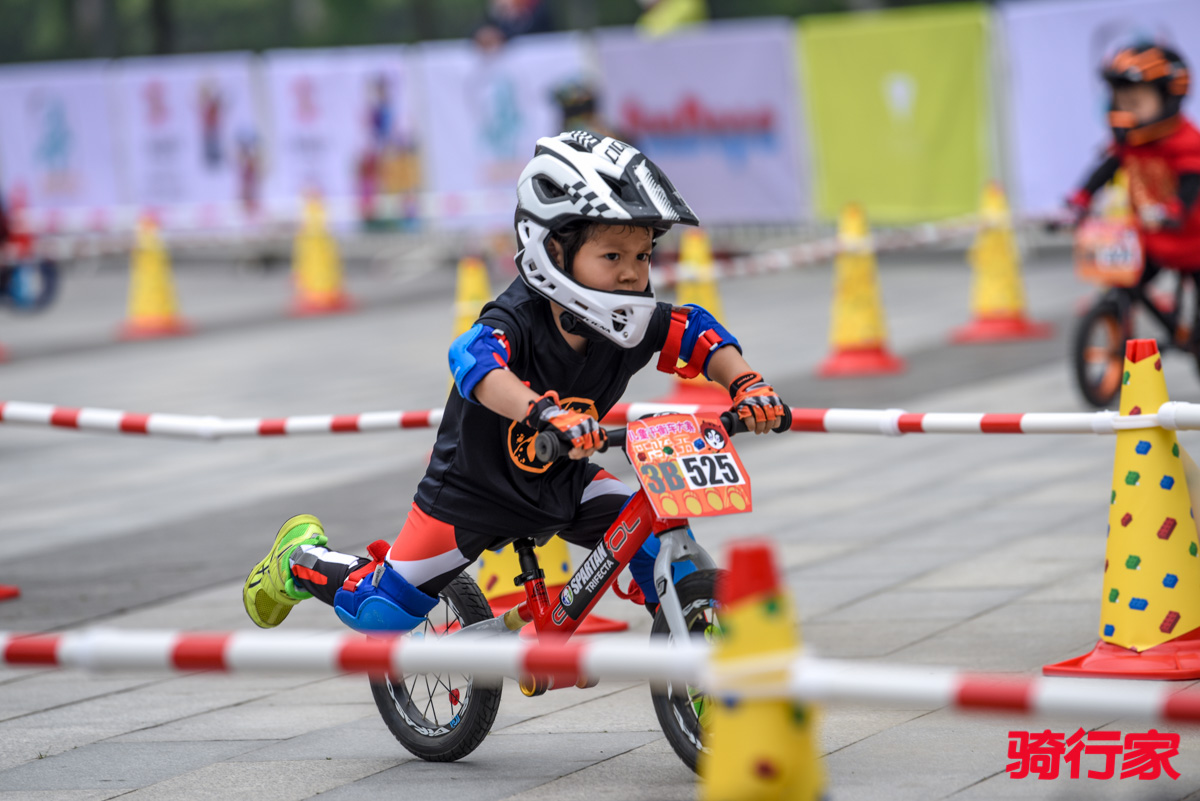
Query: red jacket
point(1154, 169)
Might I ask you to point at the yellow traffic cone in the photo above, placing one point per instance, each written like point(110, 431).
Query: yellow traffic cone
point(498, 569)
point(1150, 610)
point(153, 310)
point(1115, 203)
point(997, 291)
point(758, 749)
point(698, 285)
point(316, 266)
point(857, 328)
point(472, 291)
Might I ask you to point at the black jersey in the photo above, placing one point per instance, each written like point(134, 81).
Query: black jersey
point(483, 471)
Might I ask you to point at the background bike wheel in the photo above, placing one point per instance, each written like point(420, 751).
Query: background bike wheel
point(1098, 352)
point(681, 710)
point(441, 718)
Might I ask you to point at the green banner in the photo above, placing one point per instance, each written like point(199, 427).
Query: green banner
point(898, 109)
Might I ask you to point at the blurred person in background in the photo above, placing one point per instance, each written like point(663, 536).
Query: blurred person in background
point(1159, 149)
point(507, 19)
point(578, 104)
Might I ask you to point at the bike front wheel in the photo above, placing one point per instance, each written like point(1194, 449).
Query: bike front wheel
point(682, 710)
point(441, 717)
point(1098, 352)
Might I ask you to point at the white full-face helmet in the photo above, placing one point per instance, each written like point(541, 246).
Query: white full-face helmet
point(577, 178)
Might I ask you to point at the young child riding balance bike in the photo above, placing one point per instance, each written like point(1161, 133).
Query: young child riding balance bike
point(553, 353)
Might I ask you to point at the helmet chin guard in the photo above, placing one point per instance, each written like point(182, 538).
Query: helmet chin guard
point(614, 316)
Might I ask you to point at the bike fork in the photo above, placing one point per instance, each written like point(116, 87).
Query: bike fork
point(675, 546)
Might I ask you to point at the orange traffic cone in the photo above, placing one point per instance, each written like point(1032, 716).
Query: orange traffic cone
point(153, 308)
point(997, 291)
point(698, 285)
point(1150, 611)
point(498, 569)
point(316, 266)
point(857, 330)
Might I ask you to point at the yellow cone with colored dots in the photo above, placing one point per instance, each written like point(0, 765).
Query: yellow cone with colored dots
point(698, 285)
point(758, 749)
point(1150, 607)
point(857, 328)
point(153, 308)
point(317, 266)
point(997, 290)
point(498, 569)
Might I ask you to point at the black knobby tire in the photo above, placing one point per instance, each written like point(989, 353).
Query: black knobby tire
point(444, 717)
point(1098, 354)
point(679, 709)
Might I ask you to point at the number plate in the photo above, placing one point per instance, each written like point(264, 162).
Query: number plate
point(1108, 252)
point(688, 466)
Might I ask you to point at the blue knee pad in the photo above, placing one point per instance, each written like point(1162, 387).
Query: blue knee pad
point(642, 567)
point(393, 605)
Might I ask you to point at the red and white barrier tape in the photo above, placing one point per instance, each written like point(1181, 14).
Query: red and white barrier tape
point(819, 251)
point(207, 427)
point(614, 659)
point(1173, 415)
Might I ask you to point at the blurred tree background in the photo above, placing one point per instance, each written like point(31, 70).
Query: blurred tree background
point(38, 30)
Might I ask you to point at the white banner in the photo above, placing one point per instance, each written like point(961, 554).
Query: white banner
point(56, 143)
point(343, 126)
point(484, 112)
point(1059, 104)
point(191, 137)
point(719, 116)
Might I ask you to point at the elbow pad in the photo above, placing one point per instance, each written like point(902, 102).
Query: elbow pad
point(694, 336)
point(476, 353)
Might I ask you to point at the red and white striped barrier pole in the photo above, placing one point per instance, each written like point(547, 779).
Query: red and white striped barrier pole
point(208, 427)
point(1173, 415)
point(614, 659)
point(823, 250)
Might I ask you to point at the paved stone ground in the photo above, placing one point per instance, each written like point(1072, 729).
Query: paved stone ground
point(983, 554)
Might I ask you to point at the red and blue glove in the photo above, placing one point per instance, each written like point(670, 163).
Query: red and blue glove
point(756, 402)
point(580, 430)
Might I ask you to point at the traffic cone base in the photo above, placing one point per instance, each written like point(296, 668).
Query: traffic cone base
point(1175, 660)
point(860, 361)
point(132, 330)
point(313, 306)
point(8, 592)
point(1001, 329)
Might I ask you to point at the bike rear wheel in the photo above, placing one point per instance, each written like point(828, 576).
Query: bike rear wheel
point(682, 710)
point(1098, 352)
point(441, 717)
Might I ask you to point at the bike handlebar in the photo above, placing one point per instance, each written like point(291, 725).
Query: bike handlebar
point(549, 448)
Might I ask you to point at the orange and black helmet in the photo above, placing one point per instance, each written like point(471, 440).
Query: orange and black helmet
point(1158, 66)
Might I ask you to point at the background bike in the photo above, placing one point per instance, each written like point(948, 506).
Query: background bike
point(1109, 253)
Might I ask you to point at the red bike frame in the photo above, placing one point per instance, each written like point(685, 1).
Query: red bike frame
point(633, 526)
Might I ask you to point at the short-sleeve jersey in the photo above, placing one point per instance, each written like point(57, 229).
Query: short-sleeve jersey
point(1154, 169)
point(483, 471)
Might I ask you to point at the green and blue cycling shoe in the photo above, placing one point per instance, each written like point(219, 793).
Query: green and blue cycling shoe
point(270, 590)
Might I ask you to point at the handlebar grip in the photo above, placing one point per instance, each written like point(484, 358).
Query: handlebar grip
point(549, 448)
point(737, 425)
